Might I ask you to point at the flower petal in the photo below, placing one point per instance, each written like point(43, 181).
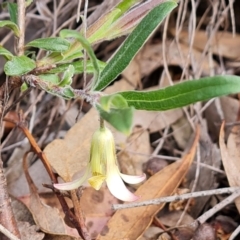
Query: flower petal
point(97, 181)
point(133, 179)
point(70, 185)
point(117, 188)
point(74, 184)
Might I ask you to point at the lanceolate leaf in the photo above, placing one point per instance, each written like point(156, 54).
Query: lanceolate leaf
point(67, 76)
point(78, 67)
point(12, 9)
point(66, 33)
point(133, 44)
point(11, 25)
point(19, 65)
point(126, 23)
point(97, 31)
point(125, 5)
point(56, 44)
point(5, 53)
point(183, 94)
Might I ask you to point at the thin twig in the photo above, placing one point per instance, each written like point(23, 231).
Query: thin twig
point(219, 206)
point(231, 2)
point(7, 233)
point(178, 198)
point(79, 214)
point(235, 233)
point(79, 10)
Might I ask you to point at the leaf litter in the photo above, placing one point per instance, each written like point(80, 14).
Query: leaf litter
point(213, 50)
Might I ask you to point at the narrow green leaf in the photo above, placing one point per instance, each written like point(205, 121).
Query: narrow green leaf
point(55, 44)
point(67, 76)
point(53, 79)
point(66, 33)
point(12, 9)
point(19, 66)
point(98, 30)
point(11, 25)
point(3, 51)
point(52, 58)
point(133, 44)
point(125, 5)
point(183, 94)
point(78, 67)
point(68, 93)
point(126, 23)
point(121, 119)
point(70, 57)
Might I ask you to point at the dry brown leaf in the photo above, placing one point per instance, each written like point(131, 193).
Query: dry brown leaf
point(47, 218)
point(151, 233)
point(156, 121)
point(97, 207)
point(133, 73)
point(151, 57)
point(14, 168)
point(170, 218)
point(223, 43)
point(29, 232)
point(131, 223)
point(229, 106)
point(182, 131)
point(231, 157)
point(209, 155)
point(153, 120)
point(39, 175)
point(70, 155)
point(138, 142)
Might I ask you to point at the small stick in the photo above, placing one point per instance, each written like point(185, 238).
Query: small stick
point(79, 214)
point(235, 233)
point(219, 206)
point(7, 233)
point(178, 198)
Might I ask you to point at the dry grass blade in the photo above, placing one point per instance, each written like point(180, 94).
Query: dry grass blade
point(131, 223)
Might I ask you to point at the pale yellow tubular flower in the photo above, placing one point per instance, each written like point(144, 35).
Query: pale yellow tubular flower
point(103, 166)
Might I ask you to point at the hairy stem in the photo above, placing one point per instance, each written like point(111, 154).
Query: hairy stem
point(21, 25)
